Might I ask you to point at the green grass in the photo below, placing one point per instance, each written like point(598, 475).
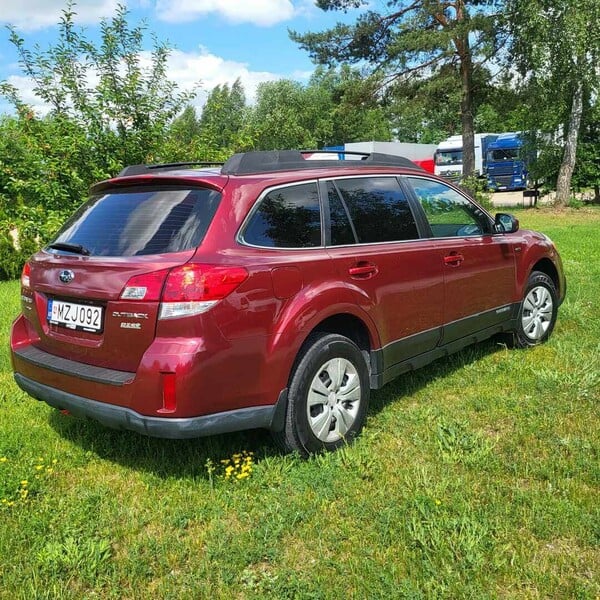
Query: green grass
point(476, 477)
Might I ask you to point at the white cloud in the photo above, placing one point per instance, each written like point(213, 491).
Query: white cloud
point(185, 68)
point(30, 15)
point(189, 68)
point(258, 12)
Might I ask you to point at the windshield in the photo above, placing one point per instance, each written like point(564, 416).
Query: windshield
point(448, 157)
point(503, 154)
point(140, 221)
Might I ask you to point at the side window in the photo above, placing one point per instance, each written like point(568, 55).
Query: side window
point(341, 229)
point(289, 217)
point(449, 213)
point(378, 208)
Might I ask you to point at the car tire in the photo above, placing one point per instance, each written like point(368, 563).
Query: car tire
point(328, 396)
point(537, 315)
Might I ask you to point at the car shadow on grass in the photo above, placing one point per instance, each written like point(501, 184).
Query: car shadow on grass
point(184, 458)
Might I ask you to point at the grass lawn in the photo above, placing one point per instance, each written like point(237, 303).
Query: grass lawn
point(476, 477)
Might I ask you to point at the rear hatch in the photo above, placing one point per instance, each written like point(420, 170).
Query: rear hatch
point(92, 294)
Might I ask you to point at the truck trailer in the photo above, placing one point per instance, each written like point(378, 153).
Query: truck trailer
point(420, 154)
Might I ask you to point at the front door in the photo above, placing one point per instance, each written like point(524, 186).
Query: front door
point(478, 264)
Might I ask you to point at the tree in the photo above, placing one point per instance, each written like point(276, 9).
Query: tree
point(355, 111)
point(556, 47)
point(415, 39)
point(222, 119)
point(587, 171)
point(123, 105)
point(289, 115)
point(109, 105)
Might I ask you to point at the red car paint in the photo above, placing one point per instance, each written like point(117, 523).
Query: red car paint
point(238, 354)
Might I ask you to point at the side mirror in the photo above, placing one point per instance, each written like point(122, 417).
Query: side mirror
point(505, 223)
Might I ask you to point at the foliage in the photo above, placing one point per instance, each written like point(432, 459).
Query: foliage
point(421, 39)
point(222, 120)
point(118, 95)
point(477, 477)
point(587, 171)
point(560, 69)
point(110, 105)
point(289, 115)
point(477, 188)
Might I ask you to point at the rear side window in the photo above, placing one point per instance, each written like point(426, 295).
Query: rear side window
point(378, 208)
point(140, 221)
point(341, 228)
point(288, 217)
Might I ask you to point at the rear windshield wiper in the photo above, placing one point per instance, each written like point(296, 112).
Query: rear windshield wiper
point(76, 248)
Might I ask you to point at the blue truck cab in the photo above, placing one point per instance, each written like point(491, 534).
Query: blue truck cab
point(507, 163)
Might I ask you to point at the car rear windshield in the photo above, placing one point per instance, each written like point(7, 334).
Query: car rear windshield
point(139, 221)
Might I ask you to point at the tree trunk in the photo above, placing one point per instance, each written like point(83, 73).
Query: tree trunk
point(563, 183)
point(466, 101)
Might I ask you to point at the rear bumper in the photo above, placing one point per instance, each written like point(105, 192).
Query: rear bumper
point(119, 417)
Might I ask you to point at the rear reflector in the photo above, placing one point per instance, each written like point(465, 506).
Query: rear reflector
point(168, 393)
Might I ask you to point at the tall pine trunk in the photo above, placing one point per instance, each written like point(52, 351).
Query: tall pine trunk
point(463, 50)
point(563, 183)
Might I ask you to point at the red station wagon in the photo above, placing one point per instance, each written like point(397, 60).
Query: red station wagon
point(274, 292)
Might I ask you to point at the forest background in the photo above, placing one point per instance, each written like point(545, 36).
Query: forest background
point(411, 71)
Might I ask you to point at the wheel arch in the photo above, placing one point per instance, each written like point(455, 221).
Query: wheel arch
point(546, 266)
point(346, 324)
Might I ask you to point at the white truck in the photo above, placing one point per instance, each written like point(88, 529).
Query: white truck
point(448, 156)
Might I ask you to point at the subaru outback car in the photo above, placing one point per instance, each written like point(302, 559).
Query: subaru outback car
point(273, 292)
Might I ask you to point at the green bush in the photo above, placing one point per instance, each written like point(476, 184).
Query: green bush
point(477, 188)
point(12, 259)
point(34, 226)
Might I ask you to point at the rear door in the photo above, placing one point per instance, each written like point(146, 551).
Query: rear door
point(478, 265)
point(119, 234)
point(375, 245)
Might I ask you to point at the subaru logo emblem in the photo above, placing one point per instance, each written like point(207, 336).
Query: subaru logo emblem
point(66, 276)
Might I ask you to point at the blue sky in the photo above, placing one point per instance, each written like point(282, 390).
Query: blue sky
point(215, 41)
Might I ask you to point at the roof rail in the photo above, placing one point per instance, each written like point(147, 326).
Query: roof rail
point(145, 169)
point(249, 163)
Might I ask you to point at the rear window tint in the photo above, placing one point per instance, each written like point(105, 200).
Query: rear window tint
point(288, 217)
point(379, 209)
point(139, 221)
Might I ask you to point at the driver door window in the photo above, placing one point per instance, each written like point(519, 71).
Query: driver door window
point(449, 213)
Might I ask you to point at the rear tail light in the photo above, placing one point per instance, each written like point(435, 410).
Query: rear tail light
point(187, 290)
point(25, 282)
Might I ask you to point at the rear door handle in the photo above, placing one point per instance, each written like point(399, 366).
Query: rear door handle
point(363, 270)
point(454, 259)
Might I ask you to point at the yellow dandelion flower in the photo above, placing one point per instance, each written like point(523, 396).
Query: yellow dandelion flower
point(24, 483)
point(39, 467)
point(3, 459)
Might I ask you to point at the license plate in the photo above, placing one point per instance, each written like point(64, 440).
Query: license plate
point(81, 317)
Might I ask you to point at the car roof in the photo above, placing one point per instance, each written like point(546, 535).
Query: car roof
point(266, 166)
